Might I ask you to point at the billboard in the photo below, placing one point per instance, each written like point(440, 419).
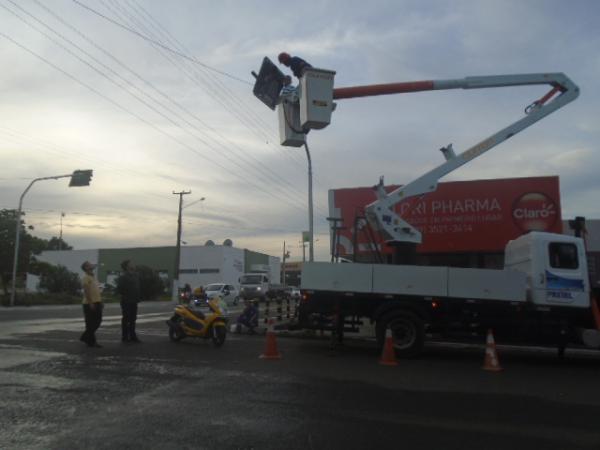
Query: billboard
point(460, 216)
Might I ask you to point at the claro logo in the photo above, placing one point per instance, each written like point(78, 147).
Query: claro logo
point(535, 212)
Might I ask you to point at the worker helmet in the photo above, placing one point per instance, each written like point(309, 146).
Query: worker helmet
point(284, 57)
point(198, 291)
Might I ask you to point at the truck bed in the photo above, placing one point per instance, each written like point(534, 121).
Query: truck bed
point(451, 282)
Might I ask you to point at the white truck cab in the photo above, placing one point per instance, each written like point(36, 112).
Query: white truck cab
point(556, 268)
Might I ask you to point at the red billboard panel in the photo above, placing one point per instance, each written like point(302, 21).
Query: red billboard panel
point(460, 216)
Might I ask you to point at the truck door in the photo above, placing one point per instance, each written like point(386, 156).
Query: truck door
point(565, 280)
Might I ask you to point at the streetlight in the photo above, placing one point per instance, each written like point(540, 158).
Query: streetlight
point(78, 178)
point(193, 203)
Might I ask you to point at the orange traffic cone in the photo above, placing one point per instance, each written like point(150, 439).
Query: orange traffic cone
point(388, 356)
point(271, 346)
point(490, 361)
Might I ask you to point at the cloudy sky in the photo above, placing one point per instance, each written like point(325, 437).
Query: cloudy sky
point(80, 91)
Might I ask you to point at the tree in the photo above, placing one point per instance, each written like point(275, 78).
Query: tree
point(57, 244)
point(8, 223)
point(58, 279)
point(151, 285)
point(29, 246)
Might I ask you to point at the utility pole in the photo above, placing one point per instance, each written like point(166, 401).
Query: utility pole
point(178, 246)
point(286, 255)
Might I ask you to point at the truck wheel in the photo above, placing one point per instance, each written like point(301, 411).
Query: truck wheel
point(408, 332)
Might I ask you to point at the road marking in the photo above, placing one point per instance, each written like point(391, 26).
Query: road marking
point(19, 327)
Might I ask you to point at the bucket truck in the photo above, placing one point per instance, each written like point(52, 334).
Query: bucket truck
point(541, 296)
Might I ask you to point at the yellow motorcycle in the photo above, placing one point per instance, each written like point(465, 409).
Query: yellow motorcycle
point(190, 322)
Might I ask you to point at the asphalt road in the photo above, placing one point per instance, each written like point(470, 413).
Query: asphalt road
point(56, 393)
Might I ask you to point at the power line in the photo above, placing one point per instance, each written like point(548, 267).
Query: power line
point(197, 77)
point(54, 148)
point(162, 31)
point(321, 211)
point(264, 171)
point(183, 144)
point(146, 38)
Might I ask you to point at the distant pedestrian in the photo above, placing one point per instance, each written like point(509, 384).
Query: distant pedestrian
point(92, 305)
point(298, 65)
point(129, 288)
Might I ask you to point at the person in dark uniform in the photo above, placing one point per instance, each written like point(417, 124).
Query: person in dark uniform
point(298, 65)
point(128, 286)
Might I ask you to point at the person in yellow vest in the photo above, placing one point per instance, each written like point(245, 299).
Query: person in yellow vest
point(92, 305)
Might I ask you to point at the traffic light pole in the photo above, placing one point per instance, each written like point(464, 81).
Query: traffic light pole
point(18, 234)
point(78, 178)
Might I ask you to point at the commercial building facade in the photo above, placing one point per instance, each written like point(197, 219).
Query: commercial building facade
point(199, 265)
point(463, 223)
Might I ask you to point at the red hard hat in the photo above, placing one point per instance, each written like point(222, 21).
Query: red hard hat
point(283, 57)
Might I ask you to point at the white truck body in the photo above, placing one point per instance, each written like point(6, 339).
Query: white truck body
point(530, 275)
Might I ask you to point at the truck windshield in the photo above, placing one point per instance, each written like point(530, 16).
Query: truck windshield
point(563, 255)
point(251, 279)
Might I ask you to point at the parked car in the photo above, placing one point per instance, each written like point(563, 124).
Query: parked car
point(227, 292)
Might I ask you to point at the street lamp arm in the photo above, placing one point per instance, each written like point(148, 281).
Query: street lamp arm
point(18, 230)
point(38, 179)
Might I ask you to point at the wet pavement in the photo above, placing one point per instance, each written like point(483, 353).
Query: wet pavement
point(56, 393)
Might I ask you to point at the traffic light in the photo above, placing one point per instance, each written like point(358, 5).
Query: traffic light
point(268, 84)
point(81, 178)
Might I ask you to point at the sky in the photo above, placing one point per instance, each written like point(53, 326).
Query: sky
point(84, 85)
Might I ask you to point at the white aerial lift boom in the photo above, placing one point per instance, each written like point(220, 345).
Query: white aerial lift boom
point(381, 213)
point(311, 107)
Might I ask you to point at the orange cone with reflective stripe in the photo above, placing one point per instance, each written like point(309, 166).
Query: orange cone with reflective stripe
point(271, 351)
point(491, 362)
point(388, 356)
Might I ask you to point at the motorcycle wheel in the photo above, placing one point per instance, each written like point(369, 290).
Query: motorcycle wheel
point(218, 336)
point(175, 334)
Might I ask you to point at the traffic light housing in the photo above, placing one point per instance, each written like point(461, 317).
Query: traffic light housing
point(81, 178)
point(268, 84)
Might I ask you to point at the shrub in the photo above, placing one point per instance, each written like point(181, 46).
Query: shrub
point(58, 279)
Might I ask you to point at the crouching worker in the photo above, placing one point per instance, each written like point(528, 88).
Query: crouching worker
point(248, 318)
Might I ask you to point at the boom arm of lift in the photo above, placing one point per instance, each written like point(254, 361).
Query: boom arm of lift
point(381, 212)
